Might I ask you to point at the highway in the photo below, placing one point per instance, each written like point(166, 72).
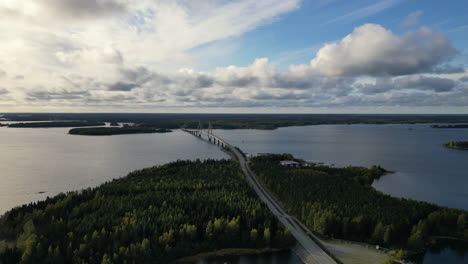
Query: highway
point(311, 251)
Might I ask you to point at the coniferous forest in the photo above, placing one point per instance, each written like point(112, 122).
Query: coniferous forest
point(154, 215)
point(457, 144)
point(341, 203)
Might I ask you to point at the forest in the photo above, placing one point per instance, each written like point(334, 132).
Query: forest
point(56, 124)
point(107, 131)
point(450, 126)
point(237, 121)
point(457, 144)
point(153, 215)
point(341, 203)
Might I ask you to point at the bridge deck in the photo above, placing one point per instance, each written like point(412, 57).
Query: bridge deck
point(309, 251)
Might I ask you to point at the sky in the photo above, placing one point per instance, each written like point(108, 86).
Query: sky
point(234, 56)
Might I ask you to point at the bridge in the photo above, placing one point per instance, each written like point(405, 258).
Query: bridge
point(309, 248)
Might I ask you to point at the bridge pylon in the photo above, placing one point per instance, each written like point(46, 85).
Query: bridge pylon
point(210, 131)
point(199, 128)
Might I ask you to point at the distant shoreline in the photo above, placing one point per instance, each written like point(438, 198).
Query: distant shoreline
point(58, 124)
point(463, 145)
point(109, 131)
point(239, 121)
point(450, 126)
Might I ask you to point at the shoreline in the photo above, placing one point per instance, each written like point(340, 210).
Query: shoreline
point(456, 147)
point(228, 252)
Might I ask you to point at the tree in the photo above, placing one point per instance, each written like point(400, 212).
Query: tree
point(267, 236)
point(379, 231)
point(461, 222)
point(106, 259)
point(388, 235)
point(233, 228)
point(253, 235)
point(153, 215)
point(209, 230)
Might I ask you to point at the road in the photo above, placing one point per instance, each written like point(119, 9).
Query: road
point(316, 254)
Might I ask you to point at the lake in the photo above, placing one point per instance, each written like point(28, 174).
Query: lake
point(425, 169)
point(51, 161)
point(40, 162)
point(283, 257)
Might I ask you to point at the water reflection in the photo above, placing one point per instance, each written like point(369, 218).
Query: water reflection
point(447, 251)
point(283, 257)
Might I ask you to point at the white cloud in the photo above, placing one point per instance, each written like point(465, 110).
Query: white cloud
point(372, 50)
point(411, 19)
point(366, 11)
point(137, 54)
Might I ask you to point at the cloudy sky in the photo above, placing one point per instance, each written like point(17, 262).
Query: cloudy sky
point(309, 56)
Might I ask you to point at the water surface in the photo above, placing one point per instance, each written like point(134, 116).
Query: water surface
point(283, 257)
point(51, 161)
point(425, 169)
point(40, 162)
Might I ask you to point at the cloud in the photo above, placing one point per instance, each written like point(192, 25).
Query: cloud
point(414, 82)
point(372, 50)
point(411, 19)
point(121, 86)
point(43, 94)
point(381, 85)
point(365, 11)
point(129, 54)
point(256, 85)
point(448, 69)
point(3, 91)
point(464, 79)
point(65, 9)
point(425, 83)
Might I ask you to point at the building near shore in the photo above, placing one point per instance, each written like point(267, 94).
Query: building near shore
point(290, 163)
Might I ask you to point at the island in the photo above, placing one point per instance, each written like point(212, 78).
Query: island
point(108, 131)
point(56, 124)
point(457, 145)
point(450, 126)
point(154, 215)
point(341, 203)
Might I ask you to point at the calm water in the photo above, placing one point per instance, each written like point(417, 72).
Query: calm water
point(425, 169)
point(445, 252)
point(284, 257)
point(51, 161)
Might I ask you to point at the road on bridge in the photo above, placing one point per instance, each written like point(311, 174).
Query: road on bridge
point(316, 254)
